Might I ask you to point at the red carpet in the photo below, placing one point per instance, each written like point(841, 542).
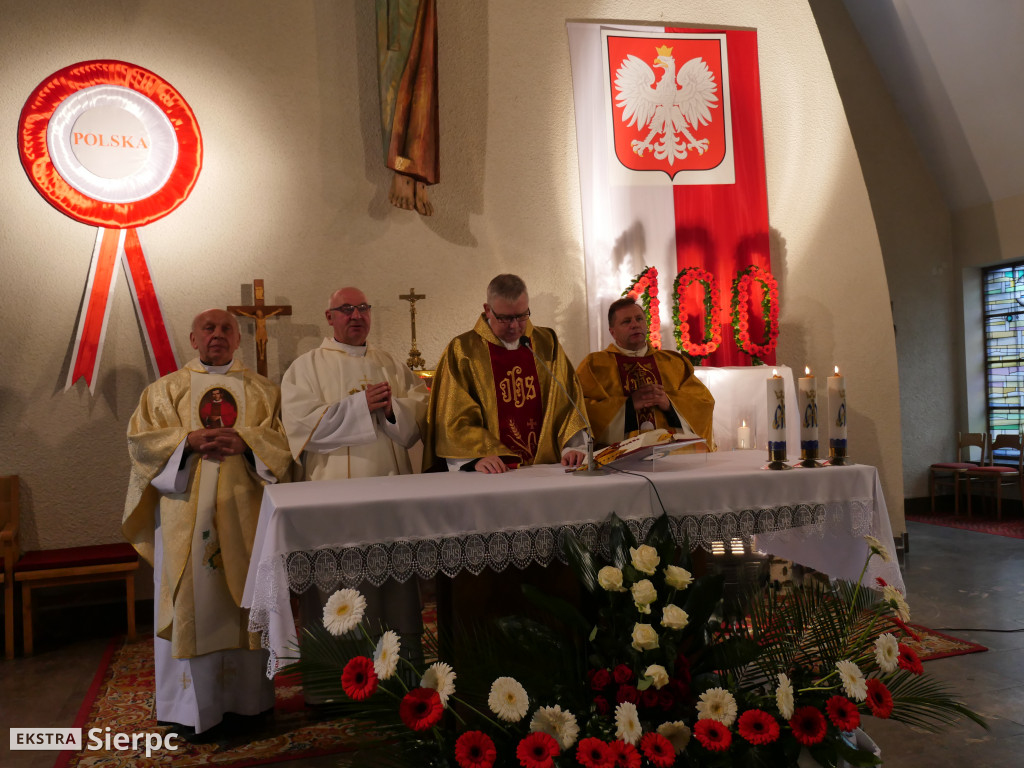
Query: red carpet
point(931, 645)
point(1012, 528)
point(121, 697)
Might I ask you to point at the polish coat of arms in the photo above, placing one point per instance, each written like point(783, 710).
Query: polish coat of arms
point(666, 103)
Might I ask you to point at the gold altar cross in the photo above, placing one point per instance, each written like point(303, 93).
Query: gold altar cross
point(259, 312)
point(414, 361)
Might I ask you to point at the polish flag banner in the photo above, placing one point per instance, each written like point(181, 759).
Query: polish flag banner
point(672, 181)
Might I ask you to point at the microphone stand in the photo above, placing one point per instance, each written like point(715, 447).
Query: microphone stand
point(591, 470)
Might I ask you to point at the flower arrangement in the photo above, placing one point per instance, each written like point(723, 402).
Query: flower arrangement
point(712, 338)
point(645, 289)
point(741, 293)
point(649, 671)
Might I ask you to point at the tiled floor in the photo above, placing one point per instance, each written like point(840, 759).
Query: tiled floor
point(955, 579)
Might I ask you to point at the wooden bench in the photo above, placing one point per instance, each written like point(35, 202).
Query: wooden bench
point(71, 566)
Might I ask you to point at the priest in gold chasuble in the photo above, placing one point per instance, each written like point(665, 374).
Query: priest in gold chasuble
point(191, 511)
point(630, 388)
point(492, 406)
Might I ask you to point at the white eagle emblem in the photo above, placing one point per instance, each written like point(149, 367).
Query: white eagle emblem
point(678, 104)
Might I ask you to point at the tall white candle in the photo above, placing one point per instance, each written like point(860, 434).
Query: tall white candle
point(776, 417)
point(807, 400)
point(837, 414)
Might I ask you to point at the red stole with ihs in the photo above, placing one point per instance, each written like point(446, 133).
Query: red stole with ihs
point(636, 372)
point(520, 410)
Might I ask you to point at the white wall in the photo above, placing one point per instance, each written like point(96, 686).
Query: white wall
point(293, 191)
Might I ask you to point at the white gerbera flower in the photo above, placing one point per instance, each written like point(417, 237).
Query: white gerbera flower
point(385, 657)
point(897, 602)
point(677, 733)
point(344, 611)
point(887, 652)
point(440, 677)
point(558, 723)
point(508, 700)
point(784, 697)
point(717, 704)
point(878, 548)
point(627, 723)
point(854, 684)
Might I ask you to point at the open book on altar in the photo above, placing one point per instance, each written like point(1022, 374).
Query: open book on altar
point(640, 452)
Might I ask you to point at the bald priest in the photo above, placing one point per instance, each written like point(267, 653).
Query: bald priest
point(631, 388)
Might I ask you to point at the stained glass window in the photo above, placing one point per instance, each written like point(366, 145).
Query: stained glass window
point(1003, 303)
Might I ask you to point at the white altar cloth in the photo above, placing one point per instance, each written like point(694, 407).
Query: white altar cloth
point(335, 533)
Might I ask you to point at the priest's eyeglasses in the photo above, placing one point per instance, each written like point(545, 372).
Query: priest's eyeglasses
point(348, 309)
point(509, 319)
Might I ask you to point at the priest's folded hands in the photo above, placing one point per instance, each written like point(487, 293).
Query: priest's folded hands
point(216, 443)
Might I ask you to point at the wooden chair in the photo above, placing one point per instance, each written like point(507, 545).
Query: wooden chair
point(8, 554)
point(950, 473)
point(75, 565)
point(998, 475)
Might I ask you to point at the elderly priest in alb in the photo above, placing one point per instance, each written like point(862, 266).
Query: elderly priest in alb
point(631, 388)
point(193, 504)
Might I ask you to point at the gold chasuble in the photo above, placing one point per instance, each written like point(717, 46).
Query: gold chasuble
point(608, 377)
point(208, 530)
point(488, 400)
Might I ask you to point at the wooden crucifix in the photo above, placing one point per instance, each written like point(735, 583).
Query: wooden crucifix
point(259, 312)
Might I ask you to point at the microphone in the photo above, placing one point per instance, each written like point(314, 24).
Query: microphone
point(592, 469)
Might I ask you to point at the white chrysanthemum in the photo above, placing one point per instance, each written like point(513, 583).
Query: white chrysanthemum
point(508, 700)
point(887, 652)
point(678, 734)
point(385, 657)
point(627, 723)
point(558, 723)
point(854, 684)
point(344, 611)
point(440, 677)
point(896, 601)
point(717, 704)
point(784, 697)
point(878, 548)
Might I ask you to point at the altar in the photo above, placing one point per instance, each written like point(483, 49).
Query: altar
point(341, 533)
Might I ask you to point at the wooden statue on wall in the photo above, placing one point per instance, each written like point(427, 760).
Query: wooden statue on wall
point(259, 312)
point(407, 79)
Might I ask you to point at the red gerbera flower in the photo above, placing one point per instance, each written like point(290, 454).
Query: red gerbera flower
point(808, 726)
point(622, 674)
point(475, 749)
point(594, 753)
point(712, 735)
point(658, 749)
point(879, 698)
point(358, 678)
point(625, 754)
point(843, 713)
point(909, 661)
point(537, 750)
point(421, 708)
point(758, 727)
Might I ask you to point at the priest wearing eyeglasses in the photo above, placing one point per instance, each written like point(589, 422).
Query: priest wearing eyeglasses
point(349, 408)
point(493, 405)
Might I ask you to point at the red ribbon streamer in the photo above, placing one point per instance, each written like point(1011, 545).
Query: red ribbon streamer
point(99, 287)
point(147, 304)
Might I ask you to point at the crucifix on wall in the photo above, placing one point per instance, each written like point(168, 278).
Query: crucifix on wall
point(259, 312)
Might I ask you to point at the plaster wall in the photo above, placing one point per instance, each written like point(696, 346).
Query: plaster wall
point(293, 191)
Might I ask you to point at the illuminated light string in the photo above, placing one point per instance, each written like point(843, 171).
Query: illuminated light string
point(115, 146)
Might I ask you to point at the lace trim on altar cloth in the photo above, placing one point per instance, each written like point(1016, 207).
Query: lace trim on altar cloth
point(329, 568)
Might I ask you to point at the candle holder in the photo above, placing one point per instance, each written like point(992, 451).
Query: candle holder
point(837, 454)
point(777, 456)
point(809, 455)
